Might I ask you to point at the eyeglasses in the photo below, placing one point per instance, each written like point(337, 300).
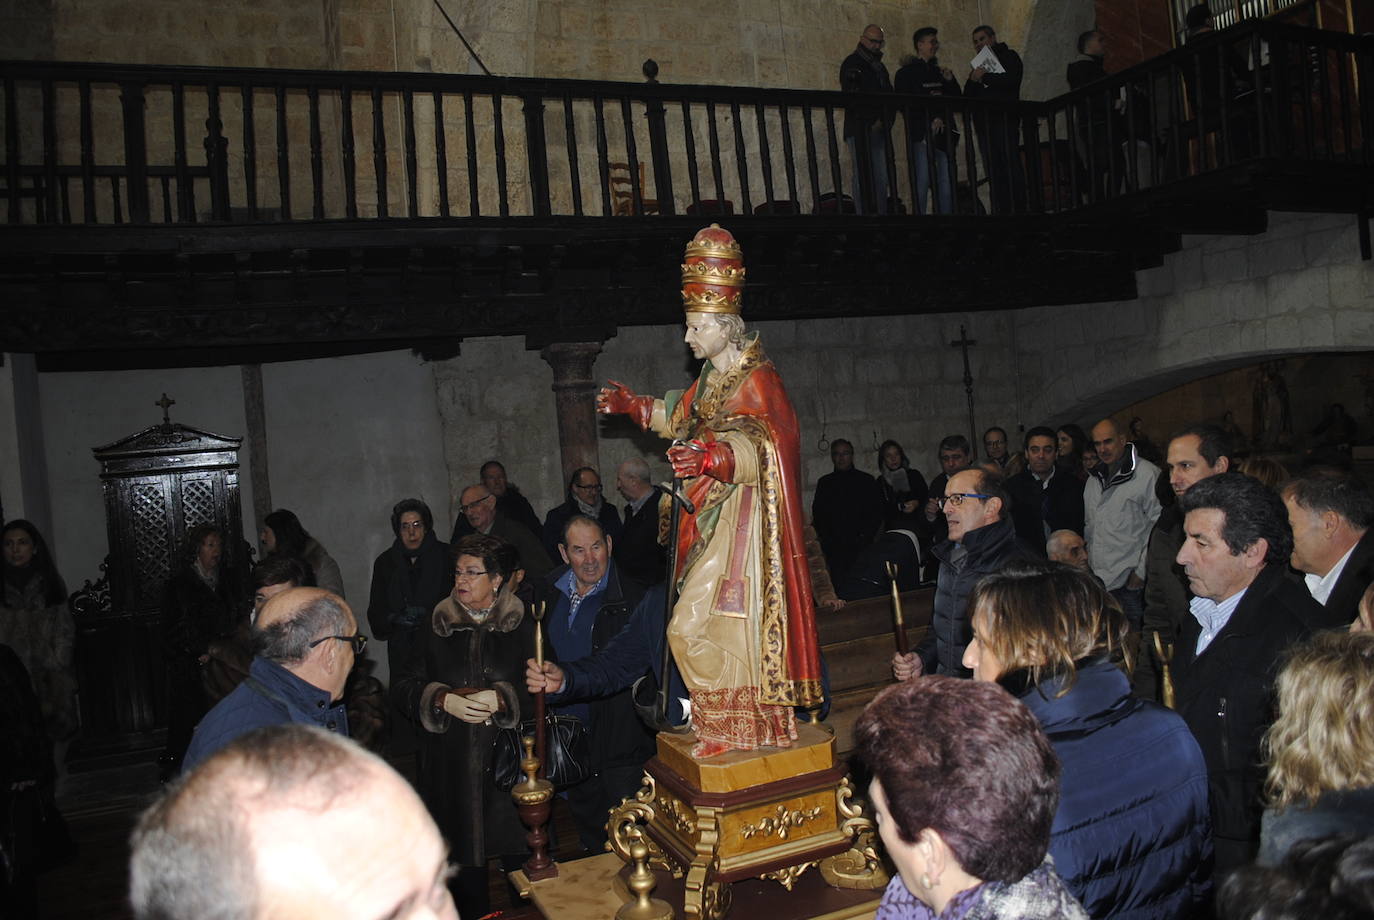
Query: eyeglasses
point(466, 573)
point(595, 487)
point(412, 525)
point(357, 640)
point(464, 508)
point(957, 498)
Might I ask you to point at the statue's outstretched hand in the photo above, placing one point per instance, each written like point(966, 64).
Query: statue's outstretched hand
point(618, 399)
point(701, 458)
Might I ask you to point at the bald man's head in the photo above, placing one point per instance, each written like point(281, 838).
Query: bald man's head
point(1109, 440)
point(289, 822)
point(309, 632)
point(1067, 546)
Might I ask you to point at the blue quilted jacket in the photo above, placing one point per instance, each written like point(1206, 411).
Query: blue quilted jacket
point(1132, 837)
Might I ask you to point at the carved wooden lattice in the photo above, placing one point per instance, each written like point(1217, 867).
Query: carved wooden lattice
point(152, 540)
point(198, 505)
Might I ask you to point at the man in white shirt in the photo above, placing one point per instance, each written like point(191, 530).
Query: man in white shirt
point(1246, 611)
point(1333, 544)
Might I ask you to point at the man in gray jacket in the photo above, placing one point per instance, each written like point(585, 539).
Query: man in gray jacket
point(1120, 509)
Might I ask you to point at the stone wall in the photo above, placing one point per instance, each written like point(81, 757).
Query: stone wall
point(865, 380)
point(1219, 302)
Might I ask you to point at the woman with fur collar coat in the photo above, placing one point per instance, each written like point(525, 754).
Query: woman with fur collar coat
point(463, 682)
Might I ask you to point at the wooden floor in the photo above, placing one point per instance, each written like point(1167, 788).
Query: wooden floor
point(102, 808)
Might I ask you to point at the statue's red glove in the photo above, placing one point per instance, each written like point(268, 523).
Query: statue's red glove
point(618, 399)
point(701, 458)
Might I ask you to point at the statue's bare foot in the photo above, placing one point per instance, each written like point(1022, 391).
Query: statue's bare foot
point(704, 749)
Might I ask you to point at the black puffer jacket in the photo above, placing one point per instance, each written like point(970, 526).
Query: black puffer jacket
point(988, 550)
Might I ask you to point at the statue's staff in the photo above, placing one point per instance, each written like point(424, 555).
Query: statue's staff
point(657, 717)
point(898, 627)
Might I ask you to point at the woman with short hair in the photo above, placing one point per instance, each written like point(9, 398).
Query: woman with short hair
point(1321, 746)
point(964, 790)
point(463, 682)
point(1131, 837)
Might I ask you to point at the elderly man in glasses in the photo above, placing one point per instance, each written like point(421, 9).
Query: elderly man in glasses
point(307, 640)
point(981, 540)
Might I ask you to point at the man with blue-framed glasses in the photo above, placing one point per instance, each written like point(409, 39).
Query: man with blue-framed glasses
point(981, 540)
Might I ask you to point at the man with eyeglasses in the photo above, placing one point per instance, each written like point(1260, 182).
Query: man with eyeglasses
point(866, 127)
point(480, 509)
point(585, 496)
point(981, 540)
point(307, 641)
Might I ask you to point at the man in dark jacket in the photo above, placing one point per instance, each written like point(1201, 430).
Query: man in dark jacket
point(308, 639)
point(999, 132)
point(923, 75)
point(1044, 500)
point(1246, 611)
point(585, 496)
point(482, 513)
point(1332, 515)
point(1100, 123)
point(847, 511)
point(1195, 453)
point(981, 540)
point(866, 126)
point(588, 606)
point(510, 504)
point(955, 454)
point(638, 554)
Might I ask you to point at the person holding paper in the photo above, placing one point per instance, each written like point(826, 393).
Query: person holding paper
point(996, 76)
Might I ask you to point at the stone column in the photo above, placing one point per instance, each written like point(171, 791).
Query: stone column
point(574, 389)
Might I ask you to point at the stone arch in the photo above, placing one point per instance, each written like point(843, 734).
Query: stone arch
point(1218, 303)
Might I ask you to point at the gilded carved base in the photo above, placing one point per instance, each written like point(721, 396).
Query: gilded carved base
point(771, 813)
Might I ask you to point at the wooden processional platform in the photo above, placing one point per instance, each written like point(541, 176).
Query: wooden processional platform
point(774, 833)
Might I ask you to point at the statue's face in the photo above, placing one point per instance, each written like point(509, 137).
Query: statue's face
point(705, 335)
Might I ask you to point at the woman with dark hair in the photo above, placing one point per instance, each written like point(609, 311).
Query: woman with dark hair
point(204, 600)
point(1321, 745)
point(1072, 442)
point(35, 622)
point(464, 682)
point(964, 790)
point(1130, 837)
point(408, 579)
point(282, 534)
point(904, 489)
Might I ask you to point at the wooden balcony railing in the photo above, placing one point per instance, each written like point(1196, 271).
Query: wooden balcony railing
point(113, 144)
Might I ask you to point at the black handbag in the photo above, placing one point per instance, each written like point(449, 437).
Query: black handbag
point(567, 752)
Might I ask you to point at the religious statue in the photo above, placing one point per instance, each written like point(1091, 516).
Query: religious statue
point(743, 629)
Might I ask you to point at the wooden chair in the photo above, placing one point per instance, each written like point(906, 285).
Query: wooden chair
point(622, 192)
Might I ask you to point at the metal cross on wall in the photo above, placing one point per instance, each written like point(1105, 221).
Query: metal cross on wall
point(965, 343)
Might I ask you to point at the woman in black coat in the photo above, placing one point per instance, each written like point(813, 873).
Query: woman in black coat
point(463, 683)
point(203, 601)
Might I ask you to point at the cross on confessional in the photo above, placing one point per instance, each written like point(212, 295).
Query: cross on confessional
point(166, 404)
point(965, 343)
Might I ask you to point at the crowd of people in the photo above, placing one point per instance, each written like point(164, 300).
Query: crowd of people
point(1185, 656)
point(1117, 141)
